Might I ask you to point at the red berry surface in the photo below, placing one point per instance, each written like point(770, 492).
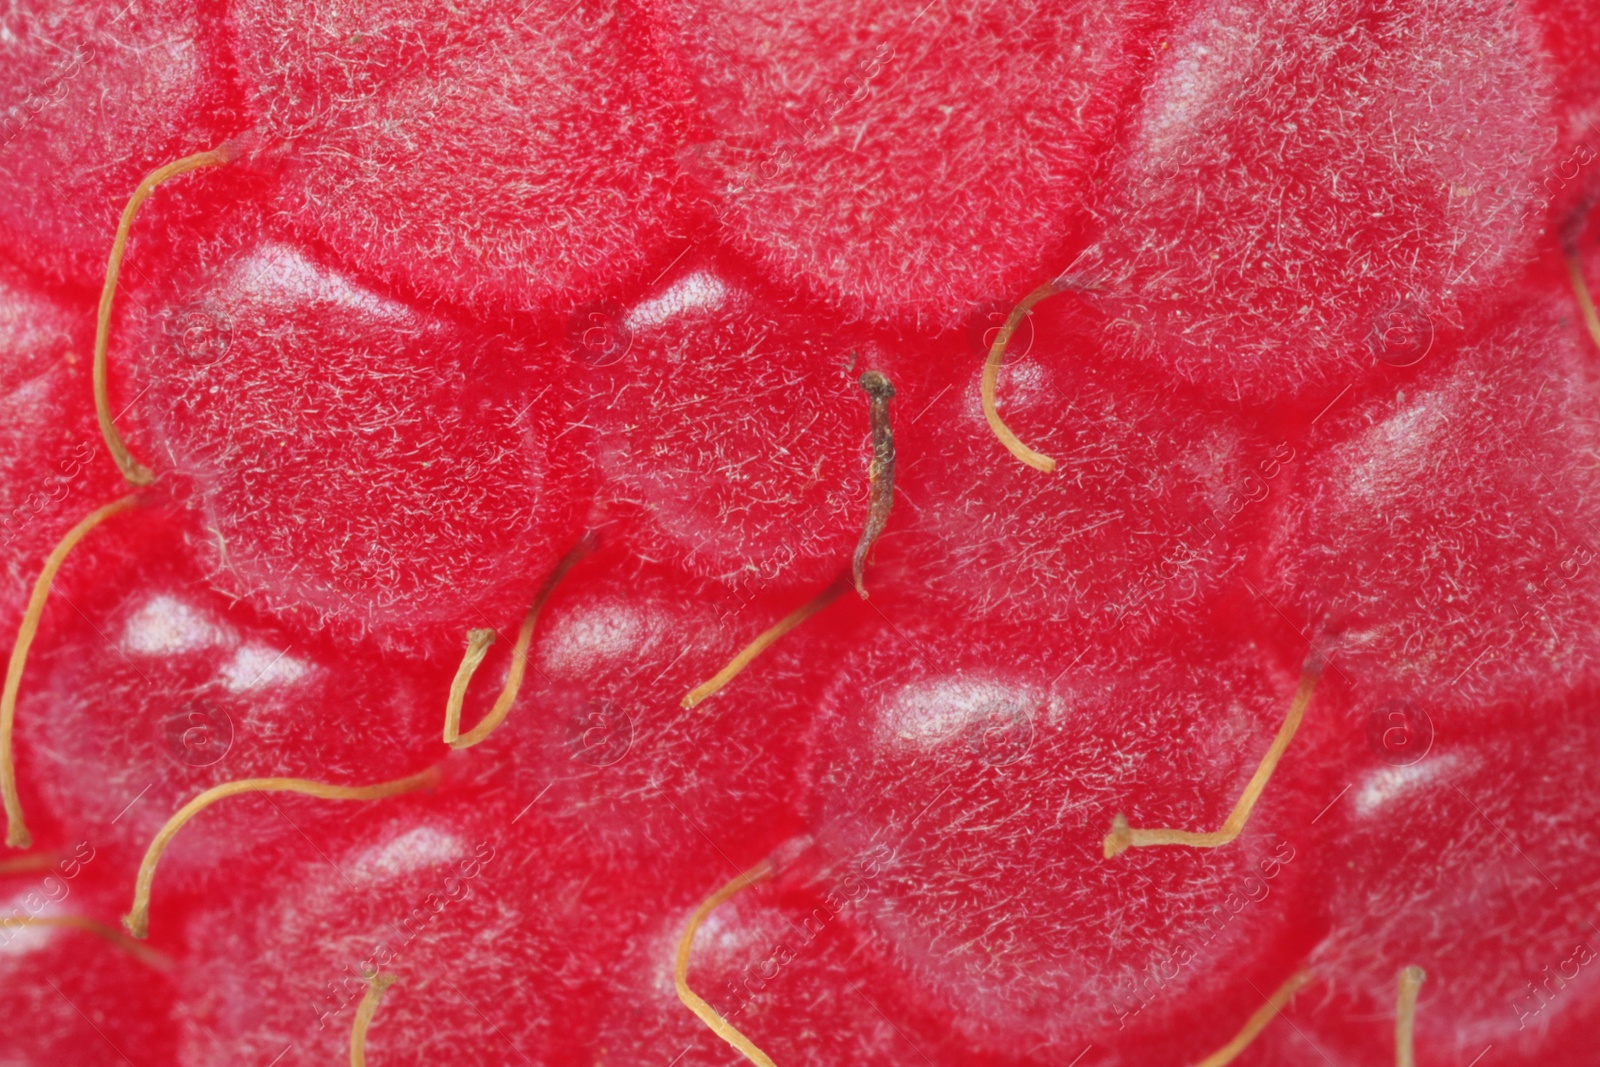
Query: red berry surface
point(1490, 890)
point(88, 998)
point(605, 595)
point(514, 158)
point(274, 386)
point(1303, 179)
point(503, 928)
point(1135, 534)
point(911, 162)
point(1442, 547)
point(945, 754)
point(783, 962)
point(54, 462)
point(148, 687)
point(603, 729)
point(1567, 189)
point(95, 96)
point(729, 429)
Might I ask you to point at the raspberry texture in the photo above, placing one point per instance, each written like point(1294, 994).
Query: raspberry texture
point(513, 159)
point(275, 387)
point(1304, 178)
point(584, 545)
point(911, 162)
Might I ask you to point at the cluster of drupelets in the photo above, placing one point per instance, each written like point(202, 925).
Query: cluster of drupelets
point(877, 516)
point(879, 392)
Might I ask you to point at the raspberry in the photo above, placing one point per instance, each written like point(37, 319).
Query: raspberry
point(783, 964)
point(1301, 177)
point(95, 96)
point(91, 995)
point(500, 932)
point(731, 432)
point(1567, 189)
point(1440, 549)
point(1134, 535)
point(54, 465)
point(273, 386)
point(910, 163)
point(1215, 656)
point(145, 688)
point(602, 728)
point(497, 159)
point(1485, 888)
point(947, 751)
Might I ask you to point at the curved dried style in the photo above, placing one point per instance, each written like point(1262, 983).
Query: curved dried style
point(17, 835)
point(137, 921)
point(680, 973)
point(134, 471)
point(991, 378)
point(1123, 837)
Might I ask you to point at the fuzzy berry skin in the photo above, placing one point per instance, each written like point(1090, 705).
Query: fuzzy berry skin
point(480, 284)
point(1134, 537)
point(1490, 890)
point(501, 929)
point(352, 462)
point(87, 1000)
point(785, 964)
point(602, 725)
point(498, 158)
point(731, 433)
point(147, 688)
point(53, 465)
point(1567, 190)
point(910, 163)
point(1441, 549)
point(92, 98)
point(1302, 178)
point(989, 769)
